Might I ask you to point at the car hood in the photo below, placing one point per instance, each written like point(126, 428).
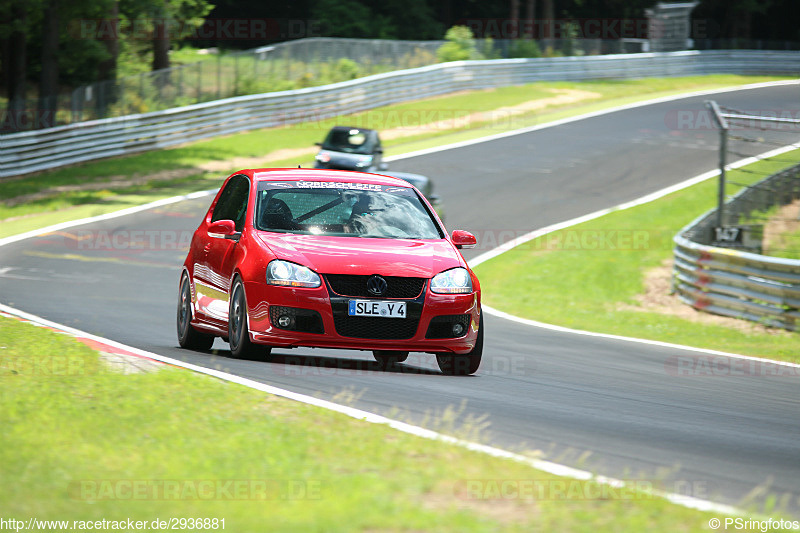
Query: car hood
point(354, 255)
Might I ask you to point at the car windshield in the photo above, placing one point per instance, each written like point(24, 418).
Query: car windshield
point(349, 140)
point(344, 209)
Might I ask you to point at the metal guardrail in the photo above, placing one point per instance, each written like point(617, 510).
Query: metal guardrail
point(736, 283)
point(31, 151)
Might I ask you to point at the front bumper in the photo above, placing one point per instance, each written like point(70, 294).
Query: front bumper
point(359, 333)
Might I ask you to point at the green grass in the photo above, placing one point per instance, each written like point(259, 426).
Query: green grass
point(77, 437)
point(786, 242)
point(565, 278)
point(258, 144)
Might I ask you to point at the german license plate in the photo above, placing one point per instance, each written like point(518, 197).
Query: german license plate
point(377, 309)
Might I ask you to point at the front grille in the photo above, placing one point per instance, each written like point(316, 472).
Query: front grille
point(396, 286)
point(441, 327)
point(305, 320)
point(367, 327)
point(363, 327)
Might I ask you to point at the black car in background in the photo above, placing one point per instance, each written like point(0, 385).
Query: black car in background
point(351, 148)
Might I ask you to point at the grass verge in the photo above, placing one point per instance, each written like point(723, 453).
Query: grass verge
point(591, 276)
point(31, 202)
point(83, 443)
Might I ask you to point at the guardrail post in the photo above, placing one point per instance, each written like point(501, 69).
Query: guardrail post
point(723, 151)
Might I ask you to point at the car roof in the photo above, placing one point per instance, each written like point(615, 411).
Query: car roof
point(319, 174)
point(351, 128)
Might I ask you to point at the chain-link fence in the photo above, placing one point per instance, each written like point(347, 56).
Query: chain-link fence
point(285, 66)
point(739, 222)
point(741, 259)
point(748, 205)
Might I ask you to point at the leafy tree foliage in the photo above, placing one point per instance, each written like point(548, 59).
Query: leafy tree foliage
point(47, 44)
point(460, 45)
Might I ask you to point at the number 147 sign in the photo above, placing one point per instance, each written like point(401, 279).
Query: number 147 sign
point(728, 234)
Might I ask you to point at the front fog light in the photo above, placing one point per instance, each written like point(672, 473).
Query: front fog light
point(285, 321)
point(458, 330)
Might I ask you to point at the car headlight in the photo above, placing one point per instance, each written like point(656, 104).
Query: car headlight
point(453, 281)
point(291, 275)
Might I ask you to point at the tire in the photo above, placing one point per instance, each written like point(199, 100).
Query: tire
point(464, 364)
point(387, 358)
point(238, 333)
point(188, 337)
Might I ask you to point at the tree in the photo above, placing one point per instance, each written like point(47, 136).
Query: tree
point(15, 51)
point(514, 18)
point(48, 78)
point(344, 18)
point(460, 45)
point(107, 69)
point(165, 17)
point(549, 16)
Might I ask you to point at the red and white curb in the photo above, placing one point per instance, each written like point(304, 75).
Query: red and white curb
point(117, 358)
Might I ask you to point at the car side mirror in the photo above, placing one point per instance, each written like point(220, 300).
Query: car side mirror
point(224, 229)
point(317, 144)
point(378, 150)
point(464, 239)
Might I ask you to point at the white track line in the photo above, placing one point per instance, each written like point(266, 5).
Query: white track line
point(601, 112)
point(545, 466)
point(107, 216)
point(495, 252)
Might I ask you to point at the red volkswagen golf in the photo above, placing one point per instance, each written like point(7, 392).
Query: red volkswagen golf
point(329, 259)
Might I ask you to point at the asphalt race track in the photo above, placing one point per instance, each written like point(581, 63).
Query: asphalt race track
point(613, 407)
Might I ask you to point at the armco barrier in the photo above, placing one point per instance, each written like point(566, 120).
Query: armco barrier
point(25, 152)
point(736, 283)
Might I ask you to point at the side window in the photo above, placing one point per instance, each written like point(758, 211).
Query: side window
point(232, 203)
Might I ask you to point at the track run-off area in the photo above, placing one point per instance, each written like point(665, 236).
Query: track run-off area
point(609, 406)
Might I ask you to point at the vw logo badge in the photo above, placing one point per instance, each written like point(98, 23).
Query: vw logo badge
point(376, 286)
